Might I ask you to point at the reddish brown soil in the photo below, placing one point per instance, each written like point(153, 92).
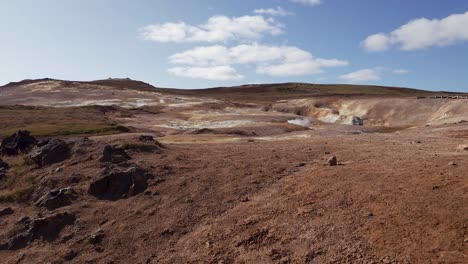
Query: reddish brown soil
point(391, 199)
point(236, 183)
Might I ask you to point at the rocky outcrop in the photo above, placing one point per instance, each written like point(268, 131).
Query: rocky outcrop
point(43, 228)
point(56, 199)
point(114, 154)
point(49, 152)
point(117, 183)
point(20, 142)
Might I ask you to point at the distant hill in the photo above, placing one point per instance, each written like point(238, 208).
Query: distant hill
point(254, 92)
point(281, 91)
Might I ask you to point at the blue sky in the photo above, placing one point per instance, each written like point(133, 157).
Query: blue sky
point(208, 43)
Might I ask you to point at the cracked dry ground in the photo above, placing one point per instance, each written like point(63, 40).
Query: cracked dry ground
point(394, 198)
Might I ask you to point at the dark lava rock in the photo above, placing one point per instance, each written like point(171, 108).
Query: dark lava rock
point(357, 121)
point(56, 199)
point(119, 184)
point(43, 228)
point(96, 238)
point(55, 150)
point(3, 165)
point(146, 138)
point(6, 211)
point(21, 141)
point(114, 154)
point(332, 161)
point(3, 169)
point(70, 255)
point(48, 228)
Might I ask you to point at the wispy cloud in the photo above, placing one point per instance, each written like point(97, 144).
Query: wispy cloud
point(364, 75)
point(308, 2)
point(278, 11)
point(400, 71)
point(270, 60)
point(215, 73)
point(216, 29)
point(422, 33)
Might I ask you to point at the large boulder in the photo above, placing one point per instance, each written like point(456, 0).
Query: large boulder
point(114, 154)
point(19, 142)
point(117, 184)
point(56, 199)
point(49, 152)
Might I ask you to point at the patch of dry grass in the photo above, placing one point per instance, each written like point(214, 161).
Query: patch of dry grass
point(43, 121)
point(18, 184)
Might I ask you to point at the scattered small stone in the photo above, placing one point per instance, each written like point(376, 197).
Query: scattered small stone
point(462, 147)
point(452, 163)
point(245, 199)
point(327, 152)
point(58, 170)
point(301, 164)
point(357, 121)
point(96, 238)
point(70, 255)
point(146, 138)
point(332, 161)
point(6, 211)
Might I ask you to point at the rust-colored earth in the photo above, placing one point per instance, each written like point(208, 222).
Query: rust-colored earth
point(243, 178)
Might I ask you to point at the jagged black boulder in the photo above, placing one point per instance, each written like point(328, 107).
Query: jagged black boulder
point(49, 152)
point(118, 184)
point(20, 142)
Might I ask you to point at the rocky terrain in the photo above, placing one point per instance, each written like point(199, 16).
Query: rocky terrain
point(118, 171)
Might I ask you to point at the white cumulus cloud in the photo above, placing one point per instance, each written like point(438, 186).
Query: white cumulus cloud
point(269, 60)
point(364, 75)
point(422, 33)
point(278, 11)
point(307, 2)
point(216, 29)
point(215, 73)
